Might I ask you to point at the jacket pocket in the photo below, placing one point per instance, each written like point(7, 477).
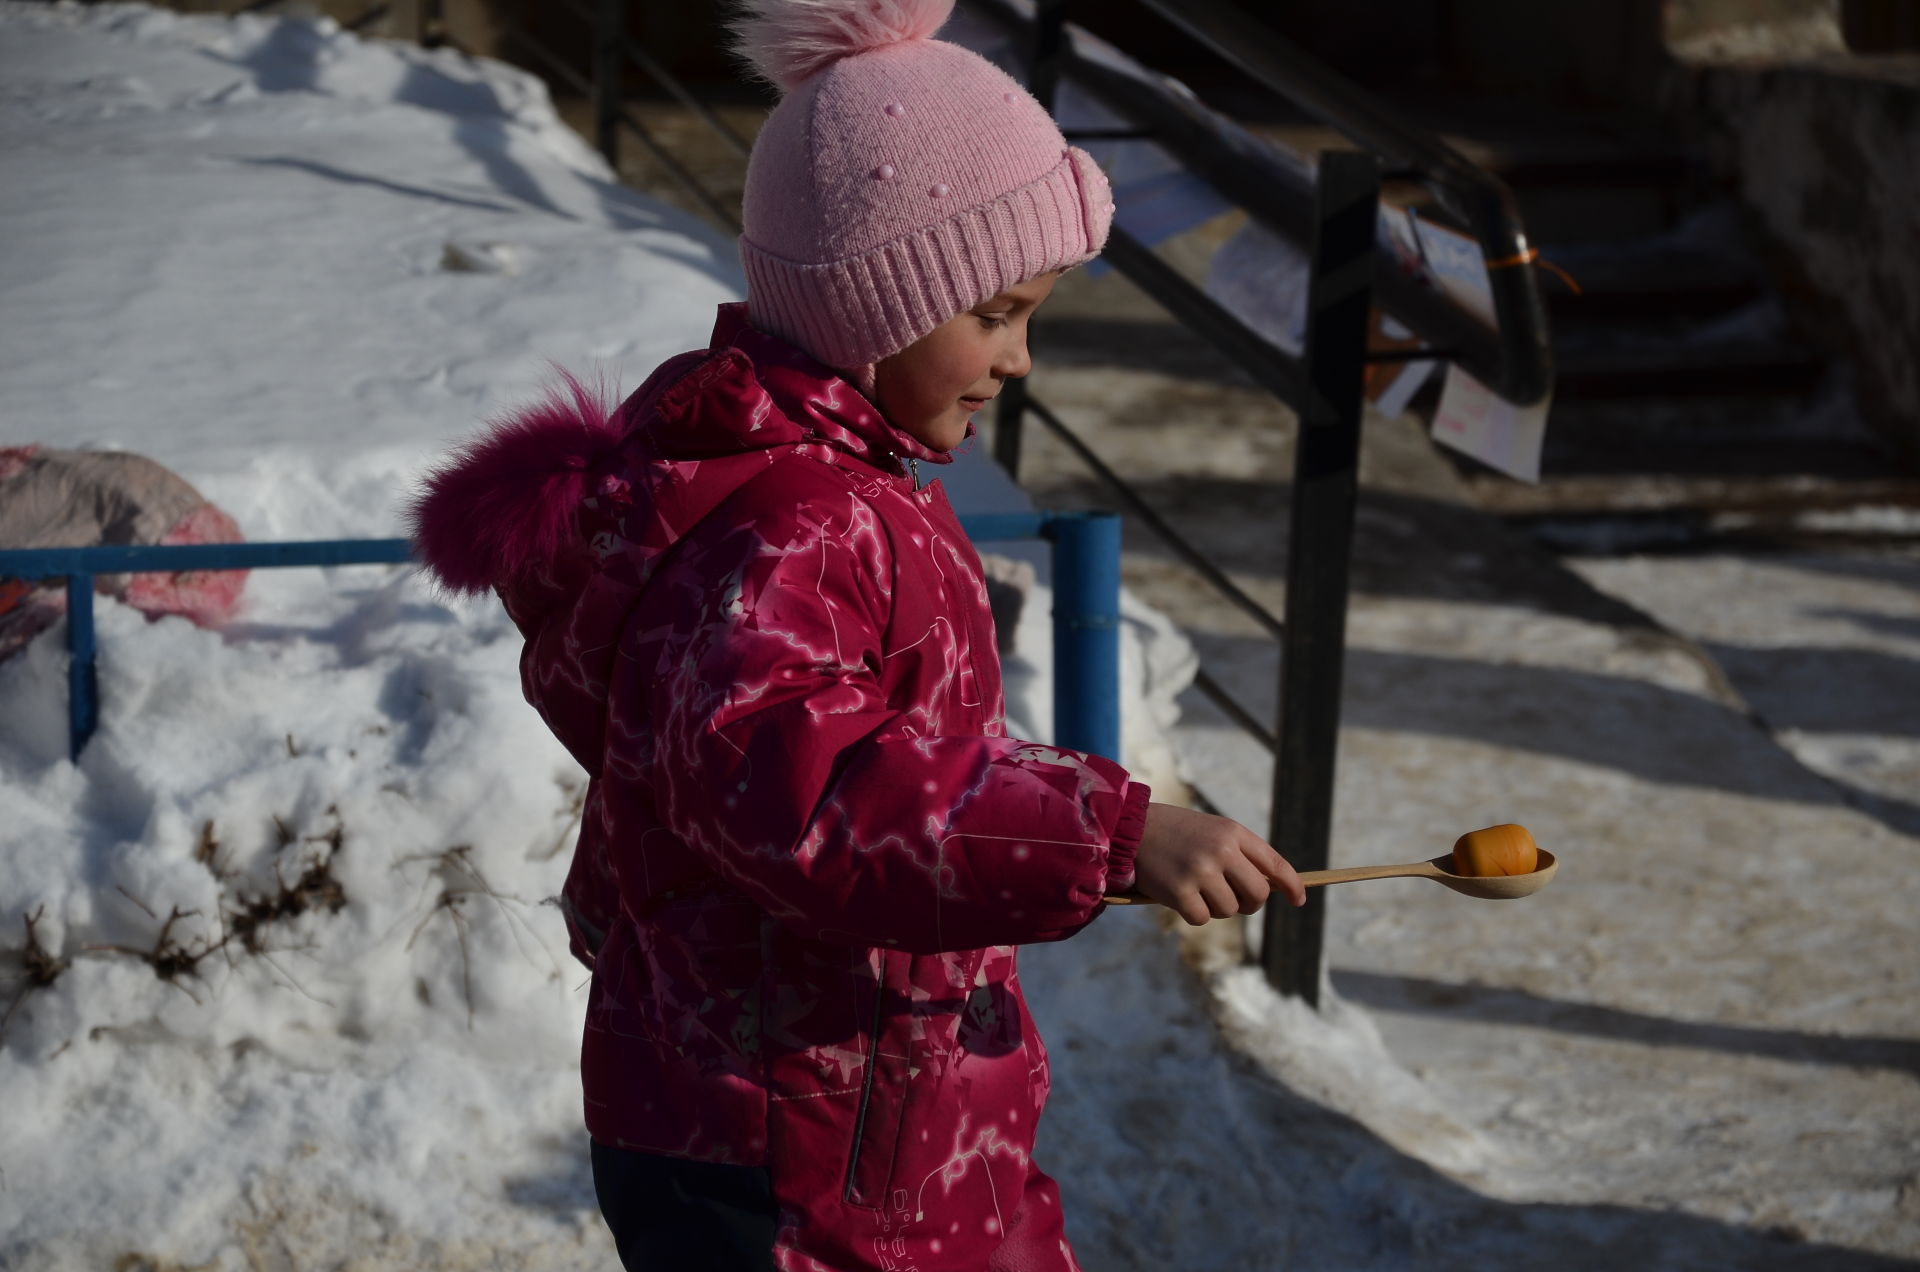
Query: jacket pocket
point(884, 1089)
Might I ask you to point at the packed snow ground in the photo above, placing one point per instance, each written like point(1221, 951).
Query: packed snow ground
point(1710, 1017)
point(291, 265)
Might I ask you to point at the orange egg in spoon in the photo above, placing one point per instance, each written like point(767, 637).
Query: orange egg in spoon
point(1497, 850)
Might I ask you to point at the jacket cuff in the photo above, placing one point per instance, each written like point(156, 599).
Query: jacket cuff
point(1124, 844)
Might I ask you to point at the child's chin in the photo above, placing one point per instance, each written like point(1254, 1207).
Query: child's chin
point(942, 434)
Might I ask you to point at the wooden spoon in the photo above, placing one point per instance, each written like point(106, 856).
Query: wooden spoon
point(1440, 870)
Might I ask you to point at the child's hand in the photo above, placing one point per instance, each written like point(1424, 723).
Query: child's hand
point(1201, 866)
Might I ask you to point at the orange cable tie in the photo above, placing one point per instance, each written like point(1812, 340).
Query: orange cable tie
point(1532, 257)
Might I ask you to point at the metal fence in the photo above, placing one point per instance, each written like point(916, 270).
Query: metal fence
point(1086, 605)
point(1334, 218)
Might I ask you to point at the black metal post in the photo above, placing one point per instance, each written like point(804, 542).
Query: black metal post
point(1319, 550)
point(1009, 418)
point(609, 42)
point(661, 155)
point(433, 24)
point(1049, 46)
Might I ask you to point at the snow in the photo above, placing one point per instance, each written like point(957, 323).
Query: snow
point(1709, 1016)
point(293, 264)
point(1823, 647)
point(317, 309)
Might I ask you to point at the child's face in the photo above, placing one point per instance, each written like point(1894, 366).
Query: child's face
point(931, 388)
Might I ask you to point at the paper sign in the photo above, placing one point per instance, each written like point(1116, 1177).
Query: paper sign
point(1391, 385)
point(1476, 421)
point(1262, 279)
point(1448, 259)
point(1472, 418)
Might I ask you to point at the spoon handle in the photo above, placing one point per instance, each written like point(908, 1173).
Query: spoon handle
point(1316, 878)
point(1412, 870)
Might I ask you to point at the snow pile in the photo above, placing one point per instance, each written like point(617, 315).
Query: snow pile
point(285, 914)
point(1157, 663)
point(1335, 1056)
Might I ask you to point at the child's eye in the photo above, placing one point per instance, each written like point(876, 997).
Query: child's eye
point(991, 322)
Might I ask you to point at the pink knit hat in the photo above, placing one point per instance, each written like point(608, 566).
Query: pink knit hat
point(900, 181)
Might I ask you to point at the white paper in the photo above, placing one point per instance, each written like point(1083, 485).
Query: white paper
point(1396, 396)
point(1450, 260)
point(1472, 418)
point(1261, 279)
point(1476, 421)
point(1392, 398)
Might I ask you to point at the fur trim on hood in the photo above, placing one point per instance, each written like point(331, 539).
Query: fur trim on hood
point(503, 504)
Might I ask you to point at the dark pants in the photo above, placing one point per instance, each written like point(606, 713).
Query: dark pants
point(672, 1215)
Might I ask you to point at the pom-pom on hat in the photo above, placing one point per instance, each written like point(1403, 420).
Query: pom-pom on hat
point(900, 181)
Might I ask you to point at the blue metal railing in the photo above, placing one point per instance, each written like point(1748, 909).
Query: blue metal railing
point(1086, 606)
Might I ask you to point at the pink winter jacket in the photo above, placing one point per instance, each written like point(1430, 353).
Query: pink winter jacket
point(808, 848)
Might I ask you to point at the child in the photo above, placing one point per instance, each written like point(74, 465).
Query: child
point(808, 847)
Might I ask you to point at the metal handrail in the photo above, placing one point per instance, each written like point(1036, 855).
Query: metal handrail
point(1272, 369)
point(1281, 195)
point(1513, 358)
point(1086, 604)
point(651, 68)
point(1332, 213)
point(678, 171)
point(1518, 361)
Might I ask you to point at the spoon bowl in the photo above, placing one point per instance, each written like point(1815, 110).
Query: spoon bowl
point(1439, 869)
point(1489, 887)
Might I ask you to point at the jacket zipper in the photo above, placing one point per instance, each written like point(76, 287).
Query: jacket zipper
point(866, 1087)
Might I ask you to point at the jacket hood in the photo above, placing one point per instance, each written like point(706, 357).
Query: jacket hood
point(517, 508)
point(565, 507)
point(503, 503)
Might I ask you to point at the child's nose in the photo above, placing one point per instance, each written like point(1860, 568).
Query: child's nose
point(1013, 362)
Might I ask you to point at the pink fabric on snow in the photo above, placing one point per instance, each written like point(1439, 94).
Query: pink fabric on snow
point(207, 597)
point(58, 498)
